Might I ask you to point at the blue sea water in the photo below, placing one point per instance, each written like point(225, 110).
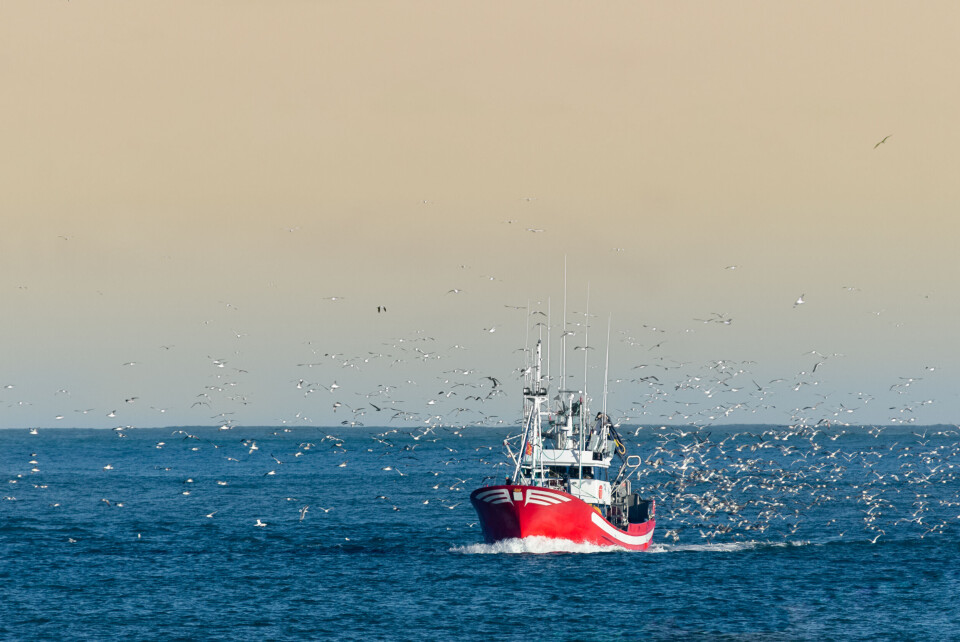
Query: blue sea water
point(763, 533)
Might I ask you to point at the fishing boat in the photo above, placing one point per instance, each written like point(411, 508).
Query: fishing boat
point(571, 475)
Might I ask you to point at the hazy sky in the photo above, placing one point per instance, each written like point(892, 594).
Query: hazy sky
point(184, 185)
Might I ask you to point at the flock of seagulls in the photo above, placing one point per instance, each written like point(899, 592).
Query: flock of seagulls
point(813, 482)
point(803, 482)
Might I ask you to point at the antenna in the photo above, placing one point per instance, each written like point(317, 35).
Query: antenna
point(563, 335)
point(526, 346)
point(606, 368)
point(548, 341)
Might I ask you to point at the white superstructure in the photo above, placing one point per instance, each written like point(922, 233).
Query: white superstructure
point(563, 447)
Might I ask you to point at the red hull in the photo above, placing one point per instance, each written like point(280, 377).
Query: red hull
point(530, 511)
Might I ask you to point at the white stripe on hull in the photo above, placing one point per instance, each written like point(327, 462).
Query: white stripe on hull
point(633, 540)
point(544, 498)
point(497, 496)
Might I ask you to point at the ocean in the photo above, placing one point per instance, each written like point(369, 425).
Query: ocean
point(763, 533)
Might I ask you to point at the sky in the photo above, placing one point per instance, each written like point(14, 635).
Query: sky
point(222, 195)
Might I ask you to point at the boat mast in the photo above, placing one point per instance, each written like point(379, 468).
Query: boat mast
point(537, 402)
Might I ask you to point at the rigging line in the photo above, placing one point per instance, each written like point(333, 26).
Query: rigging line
point(524, 440)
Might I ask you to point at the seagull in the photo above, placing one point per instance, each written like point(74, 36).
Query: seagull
point(799, 300)
point(210, 515)
point(303, 512)
point(259, 523)
point(882, 141)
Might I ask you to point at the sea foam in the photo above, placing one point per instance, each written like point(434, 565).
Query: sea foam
point(535, 545)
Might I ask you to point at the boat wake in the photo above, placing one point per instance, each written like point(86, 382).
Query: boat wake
point(722, 547)
point(534, 545)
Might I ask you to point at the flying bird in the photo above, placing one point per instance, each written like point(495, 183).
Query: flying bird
point(494, 381)
point(882, 141)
